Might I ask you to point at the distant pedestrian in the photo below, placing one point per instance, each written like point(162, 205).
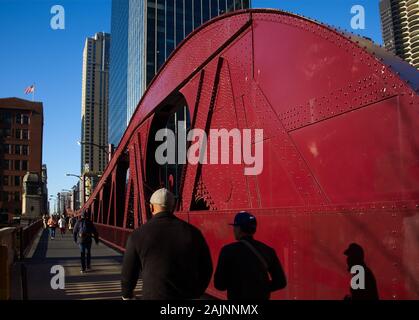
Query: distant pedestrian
point(71, 223)
point(83, 234)
point(45, 221)
point(248, 269)
point(171, 255)
point(61, 225)
point(355, 257)
point(52, 225)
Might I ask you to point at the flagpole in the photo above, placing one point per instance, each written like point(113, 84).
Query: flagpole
point(33, 92)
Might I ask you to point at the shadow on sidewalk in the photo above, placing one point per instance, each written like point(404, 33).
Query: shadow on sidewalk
point(42, 247)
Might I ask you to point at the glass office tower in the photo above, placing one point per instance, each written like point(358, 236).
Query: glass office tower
point(117, 117)
point(154, 29)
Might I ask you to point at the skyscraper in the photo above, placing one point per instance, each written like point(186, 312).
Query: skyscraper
point(94, 131)
point(400, 27)
point(149, 30)
point(118, 71)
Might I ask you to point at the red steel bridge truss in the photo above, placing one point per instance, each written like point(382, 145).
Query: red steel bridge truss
point(340, 150)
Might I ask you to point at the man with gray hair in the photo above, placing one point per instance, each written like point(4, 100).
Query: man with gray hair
point(172, 256)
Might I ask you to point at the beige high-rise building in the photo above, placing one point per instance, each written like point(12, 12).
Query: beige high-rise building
point(400, 26)
point(94, 114)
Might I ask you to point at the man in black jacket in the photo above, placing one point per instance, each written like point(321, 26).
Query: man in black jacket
point(83, 233)
point(171, 255)
point(248, 269)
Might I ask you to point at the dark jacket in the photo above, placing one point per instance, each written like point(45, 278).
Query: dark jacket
point(370, 292)
point(172, 257)
point(89, 228)
point(243, 275)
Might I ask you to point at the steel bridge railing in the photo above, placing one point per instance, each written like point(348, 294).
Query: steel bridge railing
point(115, 237)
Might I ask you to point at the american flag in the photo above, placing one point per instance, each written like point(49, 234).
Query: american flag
point(30, 89)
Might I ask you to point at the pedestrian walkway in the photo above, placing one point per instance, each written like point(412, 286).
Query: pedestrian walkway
point(102, 282)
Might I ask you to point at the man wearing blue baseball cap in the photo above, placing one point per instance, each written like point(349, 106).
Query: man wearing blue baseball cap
point(247, 268)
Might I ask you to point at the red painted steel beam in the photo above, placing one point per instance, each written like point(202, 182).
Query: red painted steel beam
point(340, 118)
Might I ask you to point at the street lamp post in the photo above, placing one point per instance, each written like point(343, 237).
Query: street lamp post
point(83, 181)
point(108, 149)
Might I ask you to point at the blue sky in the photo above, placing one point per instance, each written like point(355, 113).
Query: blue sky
point(32, 52)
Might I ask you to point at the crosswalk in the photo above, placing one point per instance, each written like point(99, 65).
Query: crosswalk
point(99, 290)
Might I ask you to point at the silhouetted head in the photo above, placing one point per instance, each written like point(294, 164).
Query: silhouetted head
point(244, 225)
point(354, 254)
point(84, 215)
point(162, 201)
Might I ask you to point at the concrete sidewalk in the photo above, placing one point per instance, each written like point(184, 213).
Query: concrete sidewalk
point(102, 282)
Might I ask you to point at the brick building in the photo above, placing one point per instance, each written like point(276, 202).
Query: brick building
point(21, 126)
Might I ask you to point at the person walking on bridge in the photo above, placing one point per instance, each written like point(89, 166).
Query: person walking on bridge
point(83, 233)
point(52, 225)
point(71, 223)
point(61, 225)
point(45, 220)
point(171, 255)
point(247, 268)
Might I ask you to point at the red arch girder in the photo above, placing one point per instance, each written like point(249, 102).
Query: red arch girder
point(341, 148)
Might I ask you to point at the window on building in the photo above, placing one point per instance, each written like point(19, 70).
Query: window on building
point(5, 180)
point(214, 8)
point(197, 13)
point(17, 149)
point(18, 133)
point(205, 10)
point(230, 5)
point(170, 27)
point(25, 119)
point(238, 5)
point(5, 132)
point(24, 165)
point(5, 164)
point(4, 148)
point(151, 18)
point(6, 118)
point(25, 134)
point(161, 36)
point(222, 6)
point(17, 197)
point(17, 181)
point(18, 118)
point(25, 150)
point(17, 165)
point(188, 17)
